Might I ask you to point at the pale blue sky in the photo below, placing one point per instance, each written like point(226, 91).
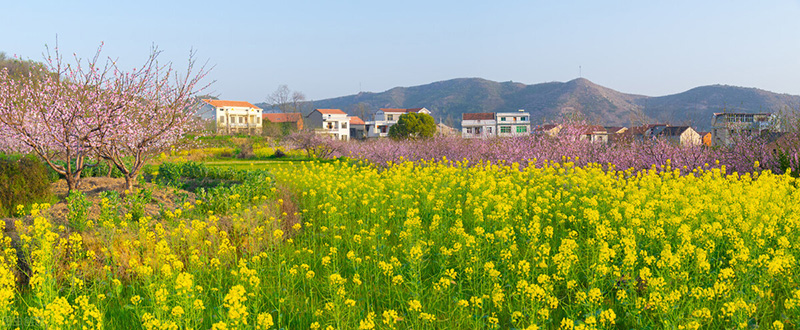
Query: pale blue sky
point(330, 48)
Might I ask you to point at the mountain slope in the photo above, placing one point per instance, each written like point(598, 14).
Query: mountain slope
point(550, 101)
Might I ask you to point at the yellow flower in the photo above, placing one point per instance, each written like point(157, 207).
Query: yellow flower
point(414, 305)
point(264, 321)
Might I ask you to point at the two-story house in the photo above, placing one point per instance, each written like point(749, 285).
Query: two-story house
point(330, 122)
point(478, 125)
point(725, 126)
point(385, 118)
point(232, 117)
point(513, 123)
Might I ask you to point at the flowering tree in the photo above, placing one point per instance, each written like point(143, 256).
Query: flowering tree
point(66, 112)
point(160, 105)
point(57, 111)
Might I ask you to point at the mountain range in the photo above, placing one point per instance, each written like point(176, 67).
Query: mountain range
point(552, 101)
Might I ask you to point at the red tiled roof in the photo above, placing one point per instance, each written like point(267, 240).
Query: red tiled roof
point(331, 111)
point(478, 116)
point(282, 117)
point(356, 121)
point(224, 103)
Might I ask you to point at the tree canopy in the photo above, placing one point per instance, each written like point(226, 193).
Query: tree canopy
point(413, 125)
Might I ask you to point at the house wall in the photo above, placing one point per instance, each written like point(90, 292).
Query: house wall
point(691, 137)
point(233, 120)
point(513, 124)
point(335, 125)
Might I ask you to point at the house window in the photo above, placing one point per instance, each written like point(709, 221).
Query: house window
point(469, 130)
point(241, 120)
point(382, 129)
point(221, 120)
point(502, 118)
point(344, 125)
point(522, 129)
point(330, 125)
point(391, 117)
point(524, 118)
point(489, 130)
point(505, 129)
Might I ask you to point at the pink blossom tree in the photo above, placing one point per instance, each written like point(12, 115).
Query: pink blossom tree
point(56, 111)
point(66, 112)
point(160, 106)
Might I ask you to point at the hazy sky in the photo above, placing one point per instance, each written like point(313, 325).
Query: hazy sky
point(334, 48)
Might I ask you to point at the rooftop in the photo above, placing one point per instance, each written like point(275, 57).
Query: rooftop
point(478, 116)
point(282, 117)
point(331, 111)
point(225, 103)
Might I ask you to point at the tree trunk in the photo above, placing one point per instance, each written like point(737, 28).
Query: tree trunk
point(110, 169)
point(129, 179)
point(73, 181)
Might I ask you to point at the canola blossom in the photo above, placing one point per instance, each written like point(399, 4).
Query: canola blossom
point(430, 245)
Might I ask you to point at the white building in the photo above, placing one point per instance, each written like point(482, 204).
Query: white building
point(330, 122)
point(232, 117)
point(385, 118)
point(725, 126)
point(513, 123)
point(478, 125)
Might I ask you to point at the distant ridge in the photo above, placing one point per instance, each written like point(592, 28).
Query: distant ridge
point(552, 100)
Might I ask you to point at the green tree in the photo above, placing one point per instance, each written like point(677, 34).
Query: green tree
point(413, 125)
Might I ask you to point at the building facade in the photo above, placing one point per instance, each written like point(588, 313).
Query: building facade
point(513, 123)
point(329, 122)
point(478, 125)
point(385, 118)
point(232, 117)
point(725, 126)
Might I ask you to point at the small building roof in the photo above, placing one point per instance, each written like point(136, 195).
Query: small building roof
point(282, 117)
point(356, 121)
point(478, 116)
point(331, 111)
point(226, 103)
point(673, 130)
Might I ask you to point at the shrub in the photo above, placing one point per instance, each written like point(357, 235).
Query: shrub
point(78, 210)
point(23, 180)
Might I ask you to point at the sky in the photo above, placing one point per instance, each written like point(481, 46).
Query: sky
point(335, 48)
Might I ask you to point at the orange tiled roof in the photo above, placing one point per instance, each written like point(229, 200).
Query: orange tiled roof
point(224, 103)
point(356, 121)
point(282, 117)
point(331, 111)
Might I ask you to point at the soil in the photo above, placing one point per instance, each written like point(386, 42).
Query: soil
point(92, 187)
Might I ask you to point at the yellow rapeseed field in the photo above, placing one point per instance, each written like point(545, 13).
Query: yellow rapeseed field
point(431, 245)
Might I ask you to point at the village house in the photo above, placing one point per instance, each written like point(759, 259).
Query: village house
point(385, 118)
point(683, 135)
point(329, 122)
point(357, 128)
point(513, 123)
point(478, 125)
point(293, 120)
point(232, 117)
point(725, 126)
point(594, 134)
point(489, 124)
